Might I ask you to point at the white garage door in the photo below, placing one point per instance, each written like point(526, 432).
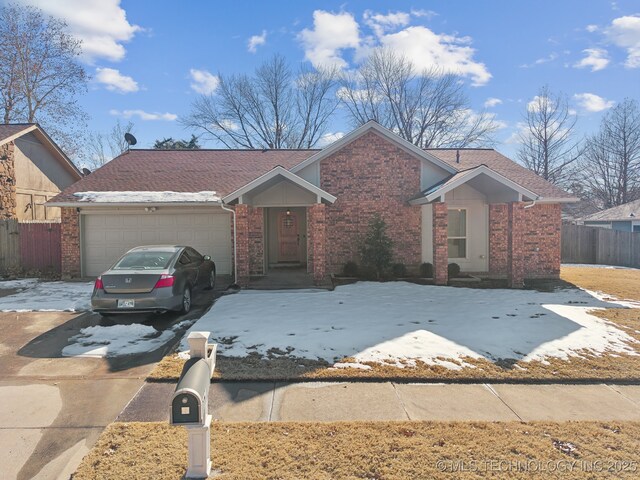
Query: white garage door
point(105, 237)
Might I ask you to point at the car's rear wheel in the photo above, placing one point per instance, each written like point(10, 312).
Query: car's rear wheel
point(211, 283)
point(105, 314)
point(186, 300)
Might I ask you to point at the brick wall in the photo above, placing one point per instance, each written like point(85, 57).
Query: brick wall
point(70, 243)
point(371, 175)
point(515, 244)
point(256, 240)
point(498, 238)
point(440, 243)
point(7, 181)
point(316, 222)
point(541, 237)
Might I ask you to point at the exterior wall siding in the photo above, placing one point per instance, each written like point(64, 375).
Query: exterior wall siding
point(371, 176)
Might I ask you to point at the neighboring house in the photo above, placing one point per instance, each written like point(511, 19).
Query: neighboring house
point(33, 169)
point(312, 208)
point(625, 218)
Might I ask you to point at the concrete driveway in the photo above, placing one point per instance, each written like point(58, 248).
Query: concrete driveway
point(54, 408)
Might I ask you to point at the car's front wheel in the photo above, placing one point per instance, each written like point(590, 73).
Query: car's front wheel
point(211, 283)
point(186, 300)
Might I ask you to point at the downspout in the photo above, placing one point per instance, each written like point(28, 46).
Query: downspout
point(235, 243)
point(532, 204)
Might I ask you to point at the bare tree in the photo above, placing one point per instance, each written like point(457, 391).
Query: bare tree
point(104, 147)
point(40, 76)
point(611, 163)
point(427, 108)
point(273, 108)
point(548, 144)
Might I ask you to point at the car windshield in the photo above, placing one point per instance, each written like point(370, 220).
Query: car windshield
point(144, 261)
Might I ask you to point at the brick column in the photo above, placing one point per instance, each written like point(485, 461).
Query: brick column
point(70, 243)
point(516, 244)
point(256, 241)
point(242, 244)
point(498, 238)
point(440, 245)
point(7, 182)
point(317, 229)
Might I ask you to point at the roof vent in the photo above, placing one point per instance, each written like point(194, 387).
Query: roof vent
point(457, 156)
point(632, 214)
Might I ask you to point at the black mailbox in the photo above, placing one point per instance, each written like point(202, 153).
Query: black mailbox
point(189, 403)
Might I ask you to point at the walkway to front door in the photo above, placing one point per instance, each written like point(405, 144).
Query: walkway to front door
point(283, 278)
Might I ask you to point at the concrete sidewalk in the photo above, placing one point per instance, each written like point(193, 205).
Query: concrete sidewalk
point(334, 401)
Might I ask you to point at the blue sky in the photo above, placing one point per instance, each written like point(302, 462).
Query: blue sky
point(148, 58)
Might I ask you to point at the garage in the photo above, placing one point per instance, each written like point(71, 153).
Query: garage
point(105, 236)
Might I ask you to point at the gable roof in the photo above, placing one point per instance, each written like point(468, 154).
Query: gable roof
point(279, 171)
point(474, 157)
point(435, 191)
point(222, 171)
point(13, 131)
point(386, 133)
point(627, 212)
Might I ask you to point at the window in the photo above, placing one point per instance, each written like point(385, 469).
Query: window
point(457, 233)
point(144, 261)
point(184, 259)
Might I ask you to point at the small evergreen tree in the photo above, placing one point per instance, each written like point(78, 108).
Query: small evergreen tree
point(376, 250)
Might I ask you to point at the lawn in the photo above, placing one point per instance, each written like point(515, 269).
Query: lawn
point(399, 330)
point(373, 450)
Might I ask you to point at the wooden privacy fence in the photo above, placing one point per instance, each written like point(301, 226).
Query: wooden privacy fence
point(30, 246)
point(601, 246)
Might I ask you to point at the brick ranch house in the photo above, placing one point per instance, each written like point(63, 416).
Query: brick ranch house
point(474, 207)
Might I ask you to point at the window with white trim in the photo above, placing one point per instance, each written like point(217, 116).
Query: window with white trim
point(457, 233)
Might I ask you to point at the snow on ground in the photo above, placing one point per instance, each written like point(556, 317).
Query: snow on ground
point(117, 340)
point(401, 322)
point(20, 284)
point(147, 197)
point(47, 296)
point(611, 299)
point(590, 265)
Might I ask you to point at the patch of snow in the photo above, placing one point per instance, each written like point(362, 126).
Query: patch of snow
point(357, 366)
point(399, 323)
point(605, 297)
point(147, 197)
point(20, 284)
point(590, 265)
point(49, 297)
point(116, 340)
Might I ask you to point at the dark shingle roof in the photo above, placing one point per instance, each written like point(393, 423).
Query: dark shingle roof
point(628, 211)
point(473, 157)
point(222, 171)
point(9, 130)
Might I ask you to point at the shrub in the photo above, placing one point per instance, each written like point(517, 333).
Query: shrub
point(399, 270)
point(454, 270)
point(376, 249)
point(426, 270)
point(350, 269)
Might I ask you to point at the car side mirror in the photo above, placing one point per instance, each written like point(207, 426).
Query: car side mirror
point(207, 258)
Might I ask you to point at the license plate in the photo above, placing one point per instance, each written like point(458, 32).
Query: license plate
point(126, 303)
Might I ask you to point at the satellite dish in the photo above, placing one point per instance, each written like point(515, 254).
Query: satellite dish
point(130, 139)
point(86, 171)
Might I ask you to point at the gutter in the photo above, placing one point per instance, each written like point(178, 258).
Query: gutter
point(132, 204)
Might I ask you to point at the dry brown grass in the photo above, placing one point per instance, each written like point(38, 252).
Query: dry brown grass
point(373, 450)
point(621, 283)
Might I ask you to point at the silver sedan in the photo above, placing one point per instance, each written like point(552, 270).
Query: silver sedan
point(153, 279)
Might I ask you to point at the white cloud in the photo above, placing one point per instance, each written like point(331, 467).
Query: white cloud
point(102, 25)
point(380, 23)
point(592, 103)
point(427, 49)
point(624, 32)
point(550, 58)
point(595, 58)
point(492, 102)
point(592, 28)
point(331, 33)
point(142, 115)
point(256, 40)
point(203, 82)
point(114, 81)
point(428, 14)
point(329, 138)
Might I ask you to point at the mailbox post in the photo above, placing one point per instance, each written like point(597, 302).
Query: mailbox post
point(189, 405)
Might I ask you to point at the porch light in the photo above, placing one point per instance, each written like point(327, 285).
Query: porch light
point(288, 212)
